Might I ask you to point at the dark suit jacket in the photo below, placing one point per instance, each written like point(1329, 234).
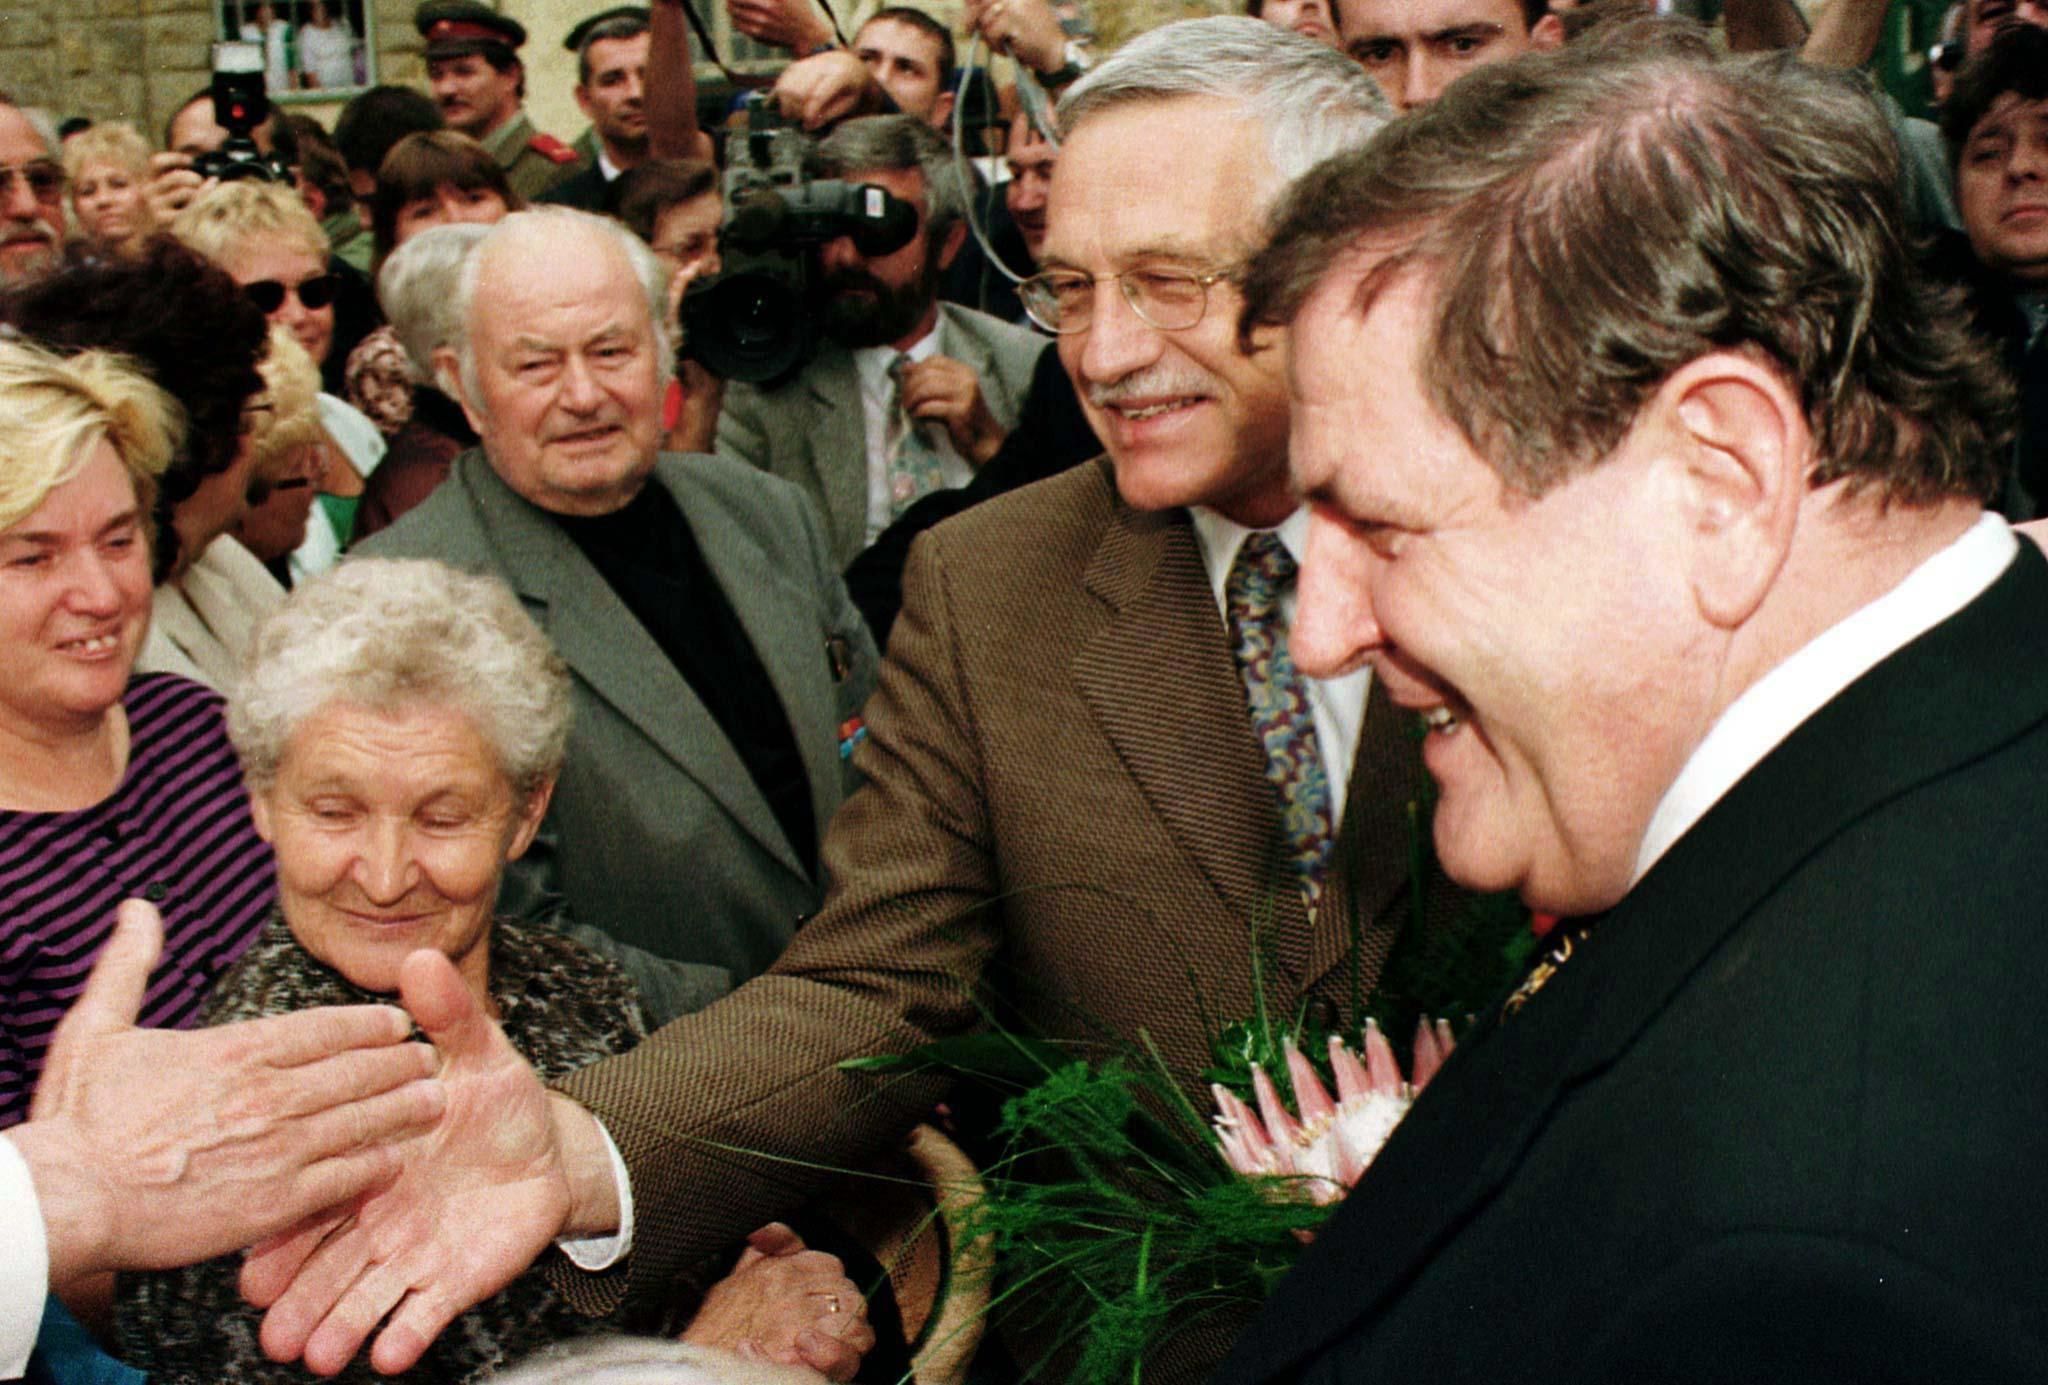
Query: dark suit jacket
point(1784, 1115)
point(1065, 813)
point(585, 187)
point(657, 835)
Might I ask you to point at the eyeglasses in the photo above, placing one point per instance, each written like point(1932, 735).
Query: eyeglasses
point(314, 293)
point(45, 179)
point(1063, 300)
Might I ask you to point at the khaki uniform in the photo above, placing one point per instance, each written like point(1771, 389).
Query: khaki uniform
point(533, 162)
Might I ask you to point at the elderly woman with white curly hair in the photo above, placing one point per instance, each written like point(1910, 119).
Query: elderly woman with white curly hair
point(401, 726)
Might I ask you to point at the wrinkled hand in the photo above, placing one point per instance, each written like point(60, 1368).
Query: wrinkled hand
point(480, 1196)
point(173, 186)
point(791, 24)
point(949, 391)
point(826, 88)
point(788, 1304)
point(1027, 30)
point(153, 1148)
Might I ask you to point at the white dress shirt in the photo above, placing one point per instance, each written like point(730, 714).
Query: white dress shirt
point(1774, 706)
point(877, 395)
point(1338, 704)
point(24, 1262)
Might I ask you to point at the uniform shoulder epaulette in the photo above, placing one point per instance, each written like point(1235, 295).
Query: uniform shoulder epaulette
point(553, 150)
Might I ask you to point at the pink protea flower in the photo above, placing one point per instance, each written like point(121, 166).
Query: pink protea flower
point(1333, 1140)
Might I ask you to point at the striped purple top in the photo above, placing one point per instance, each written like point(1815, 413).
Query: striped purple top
point(176, 832)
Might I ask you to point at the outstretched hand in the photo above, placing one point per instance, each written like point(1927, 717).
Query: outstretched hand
point(152, 1148)
point(478, 1198)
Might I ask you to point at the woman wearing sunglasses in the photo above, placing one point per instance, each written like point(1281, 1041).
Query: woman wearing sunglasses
point(269, 243)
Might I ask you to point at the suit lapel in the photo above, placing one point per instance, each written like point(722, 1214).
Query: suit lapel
point(778, 618)
point(613, 653)
point(1160, 681)
point(1375, 856)
point(1948, 698)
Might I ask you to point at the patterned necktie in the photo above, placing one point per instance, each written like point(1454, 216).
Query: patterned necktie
point(915, 467)
point(1277, 697)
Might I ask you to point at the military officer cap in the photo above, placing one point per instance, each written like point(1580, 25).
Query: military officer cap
point(581, 33)
point(453, 28)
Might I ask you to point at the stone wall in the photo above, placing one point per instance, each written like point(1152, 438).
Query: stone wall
point(138, 59)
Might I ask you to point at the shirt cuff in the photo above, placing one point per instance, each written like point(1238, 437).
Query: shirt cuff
point(594, 1253)
point(25, 1279)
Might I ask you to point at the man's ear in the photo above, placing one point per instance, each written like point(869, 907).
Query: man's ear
point(942, 113)
point(1547, 33)
point(583, 102)
point(1738, 443)
point(448, 375)
point(949, 248)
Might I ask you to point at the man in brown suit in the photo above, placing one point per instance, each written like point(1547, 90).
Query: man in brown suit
point(1068, 809)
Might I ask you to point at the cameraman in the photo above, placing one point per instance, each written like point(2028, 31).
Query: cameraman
point(909, 395)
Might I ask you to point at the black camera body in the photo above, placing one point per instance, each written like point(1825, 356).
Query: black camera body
point(240, 104)
point(757, 319)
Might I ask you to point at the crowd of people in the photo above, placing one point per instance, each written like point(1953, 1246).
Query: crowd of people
point(480, 766)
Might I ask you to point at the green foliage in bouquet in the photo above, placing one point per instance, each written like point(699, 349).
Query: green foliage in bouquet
point(1114, 1218)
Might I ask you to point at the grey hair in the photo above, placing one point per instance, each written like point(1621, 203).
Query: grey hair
point(1315, 101)
point(897, 143)
point(648, 269)
point(416, 290)
point(389, 633)
point(644, 1361)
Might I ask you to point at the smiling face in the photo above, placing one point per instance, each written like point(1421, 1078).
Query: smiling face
point(109, 202)
point(74, 598)
point(1188, 418)
point(391, 830)
point(1032, 157)
point(2002, 188)
point(1416, 48)
point(259, 259)
point(1550, 644)
point(474, 97)
point(567, 385)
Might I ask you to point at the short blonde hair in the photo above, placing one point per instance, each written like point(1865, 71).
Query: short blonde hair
point(54, 409)
point(111, 142)
point(290, 417)
point(236, 214)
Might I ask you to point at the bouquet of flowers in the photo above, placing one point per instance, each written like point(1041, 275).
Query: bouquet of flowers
point(1120, 1214)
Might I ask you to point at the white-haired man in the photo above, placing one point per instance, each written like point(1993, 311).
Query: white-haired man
point(31, 197)
point(716, 654)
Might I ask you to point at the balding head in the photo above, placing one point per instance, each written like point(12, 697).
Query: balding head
point(563, 358)
point(31, 198)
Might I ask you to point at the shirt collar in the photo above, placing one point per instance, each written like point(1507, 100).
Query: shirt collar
point(1776, 704)
point(1220, 538)
point(872, 362)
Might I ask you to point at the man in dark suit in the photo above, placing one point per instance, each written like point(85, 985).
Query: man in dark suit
point(1068, 810)
point(717, 657)
point(1643, 465)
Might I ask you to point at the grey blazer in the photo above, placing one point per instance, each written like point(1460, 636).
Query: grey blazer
point(811, 430)
point(657, 835)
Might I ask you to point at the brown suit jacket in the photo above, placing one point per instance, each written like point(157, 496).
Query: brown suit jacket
point(1066, 807)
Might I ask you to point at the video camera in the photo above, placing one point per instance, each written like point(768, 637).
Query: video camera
point(240, 104)
point(756, 320)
